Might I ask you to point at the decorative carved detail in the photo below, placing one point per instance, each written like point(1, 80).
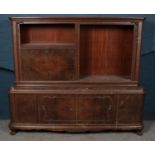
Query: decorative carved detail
point(49, 64)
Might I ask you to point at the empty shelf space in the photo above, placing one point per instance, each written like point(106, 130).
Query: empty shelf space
point(106, 50)
point(50, 33)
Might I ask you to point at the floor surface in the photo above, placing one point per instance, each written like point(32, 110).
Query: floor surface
point(148, 135)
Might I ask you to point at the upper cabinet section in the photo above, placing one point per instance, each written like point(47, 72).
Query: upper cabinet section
point(74, 49)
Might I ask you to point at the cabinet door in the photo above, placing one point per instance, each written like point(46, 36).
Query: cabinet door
point(96, 109)
point(25, 108)
point(130, 109)
point(48, 64)
point(56, 109)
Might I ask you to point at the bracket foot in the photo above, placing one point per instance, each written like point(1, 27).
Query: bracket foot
point(13, 132)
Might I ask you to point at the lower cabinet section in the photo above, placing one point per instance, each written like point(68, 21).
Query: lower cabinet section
point(78, 111)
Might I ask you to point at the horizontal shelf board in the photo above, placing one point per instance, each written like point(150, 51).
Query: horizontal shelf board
point(87, 80)
point(80, 91)
point(110, 78)
point(47, 45)
point(67, 19)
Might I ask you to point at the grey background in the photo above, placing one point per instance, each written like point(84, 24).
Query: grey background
point(147, 62)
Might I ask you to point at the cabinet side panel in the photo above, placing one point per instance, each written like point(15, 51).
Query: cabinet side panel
point(16, 53)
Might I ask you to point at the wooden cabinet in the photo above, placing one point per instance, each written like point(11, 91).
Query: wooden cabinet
point(76, 74)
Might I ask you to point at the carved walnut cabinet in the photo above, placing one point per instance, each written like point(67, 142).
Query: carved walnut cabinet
point(76, 74)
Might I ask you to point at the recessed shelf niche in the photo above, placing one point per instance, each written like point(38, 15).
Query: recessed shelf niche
point(106, 50)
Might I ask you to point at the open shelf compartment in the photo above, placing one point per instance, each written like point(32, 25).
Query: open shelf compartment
point(47, 33)
point(106, 52)
point(48, 52)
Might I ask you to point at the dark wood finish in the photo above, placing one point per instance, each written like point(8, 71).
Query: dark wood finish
point(130, 106)
point(56, 109)
point(76, 74)
point(47, 64)
point(25, 108)
point(96, 109)
point(78, 112)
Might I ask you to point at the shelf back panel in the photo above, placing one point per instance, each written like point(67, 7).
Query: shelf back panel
point(106, 50)
point(47, 33)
